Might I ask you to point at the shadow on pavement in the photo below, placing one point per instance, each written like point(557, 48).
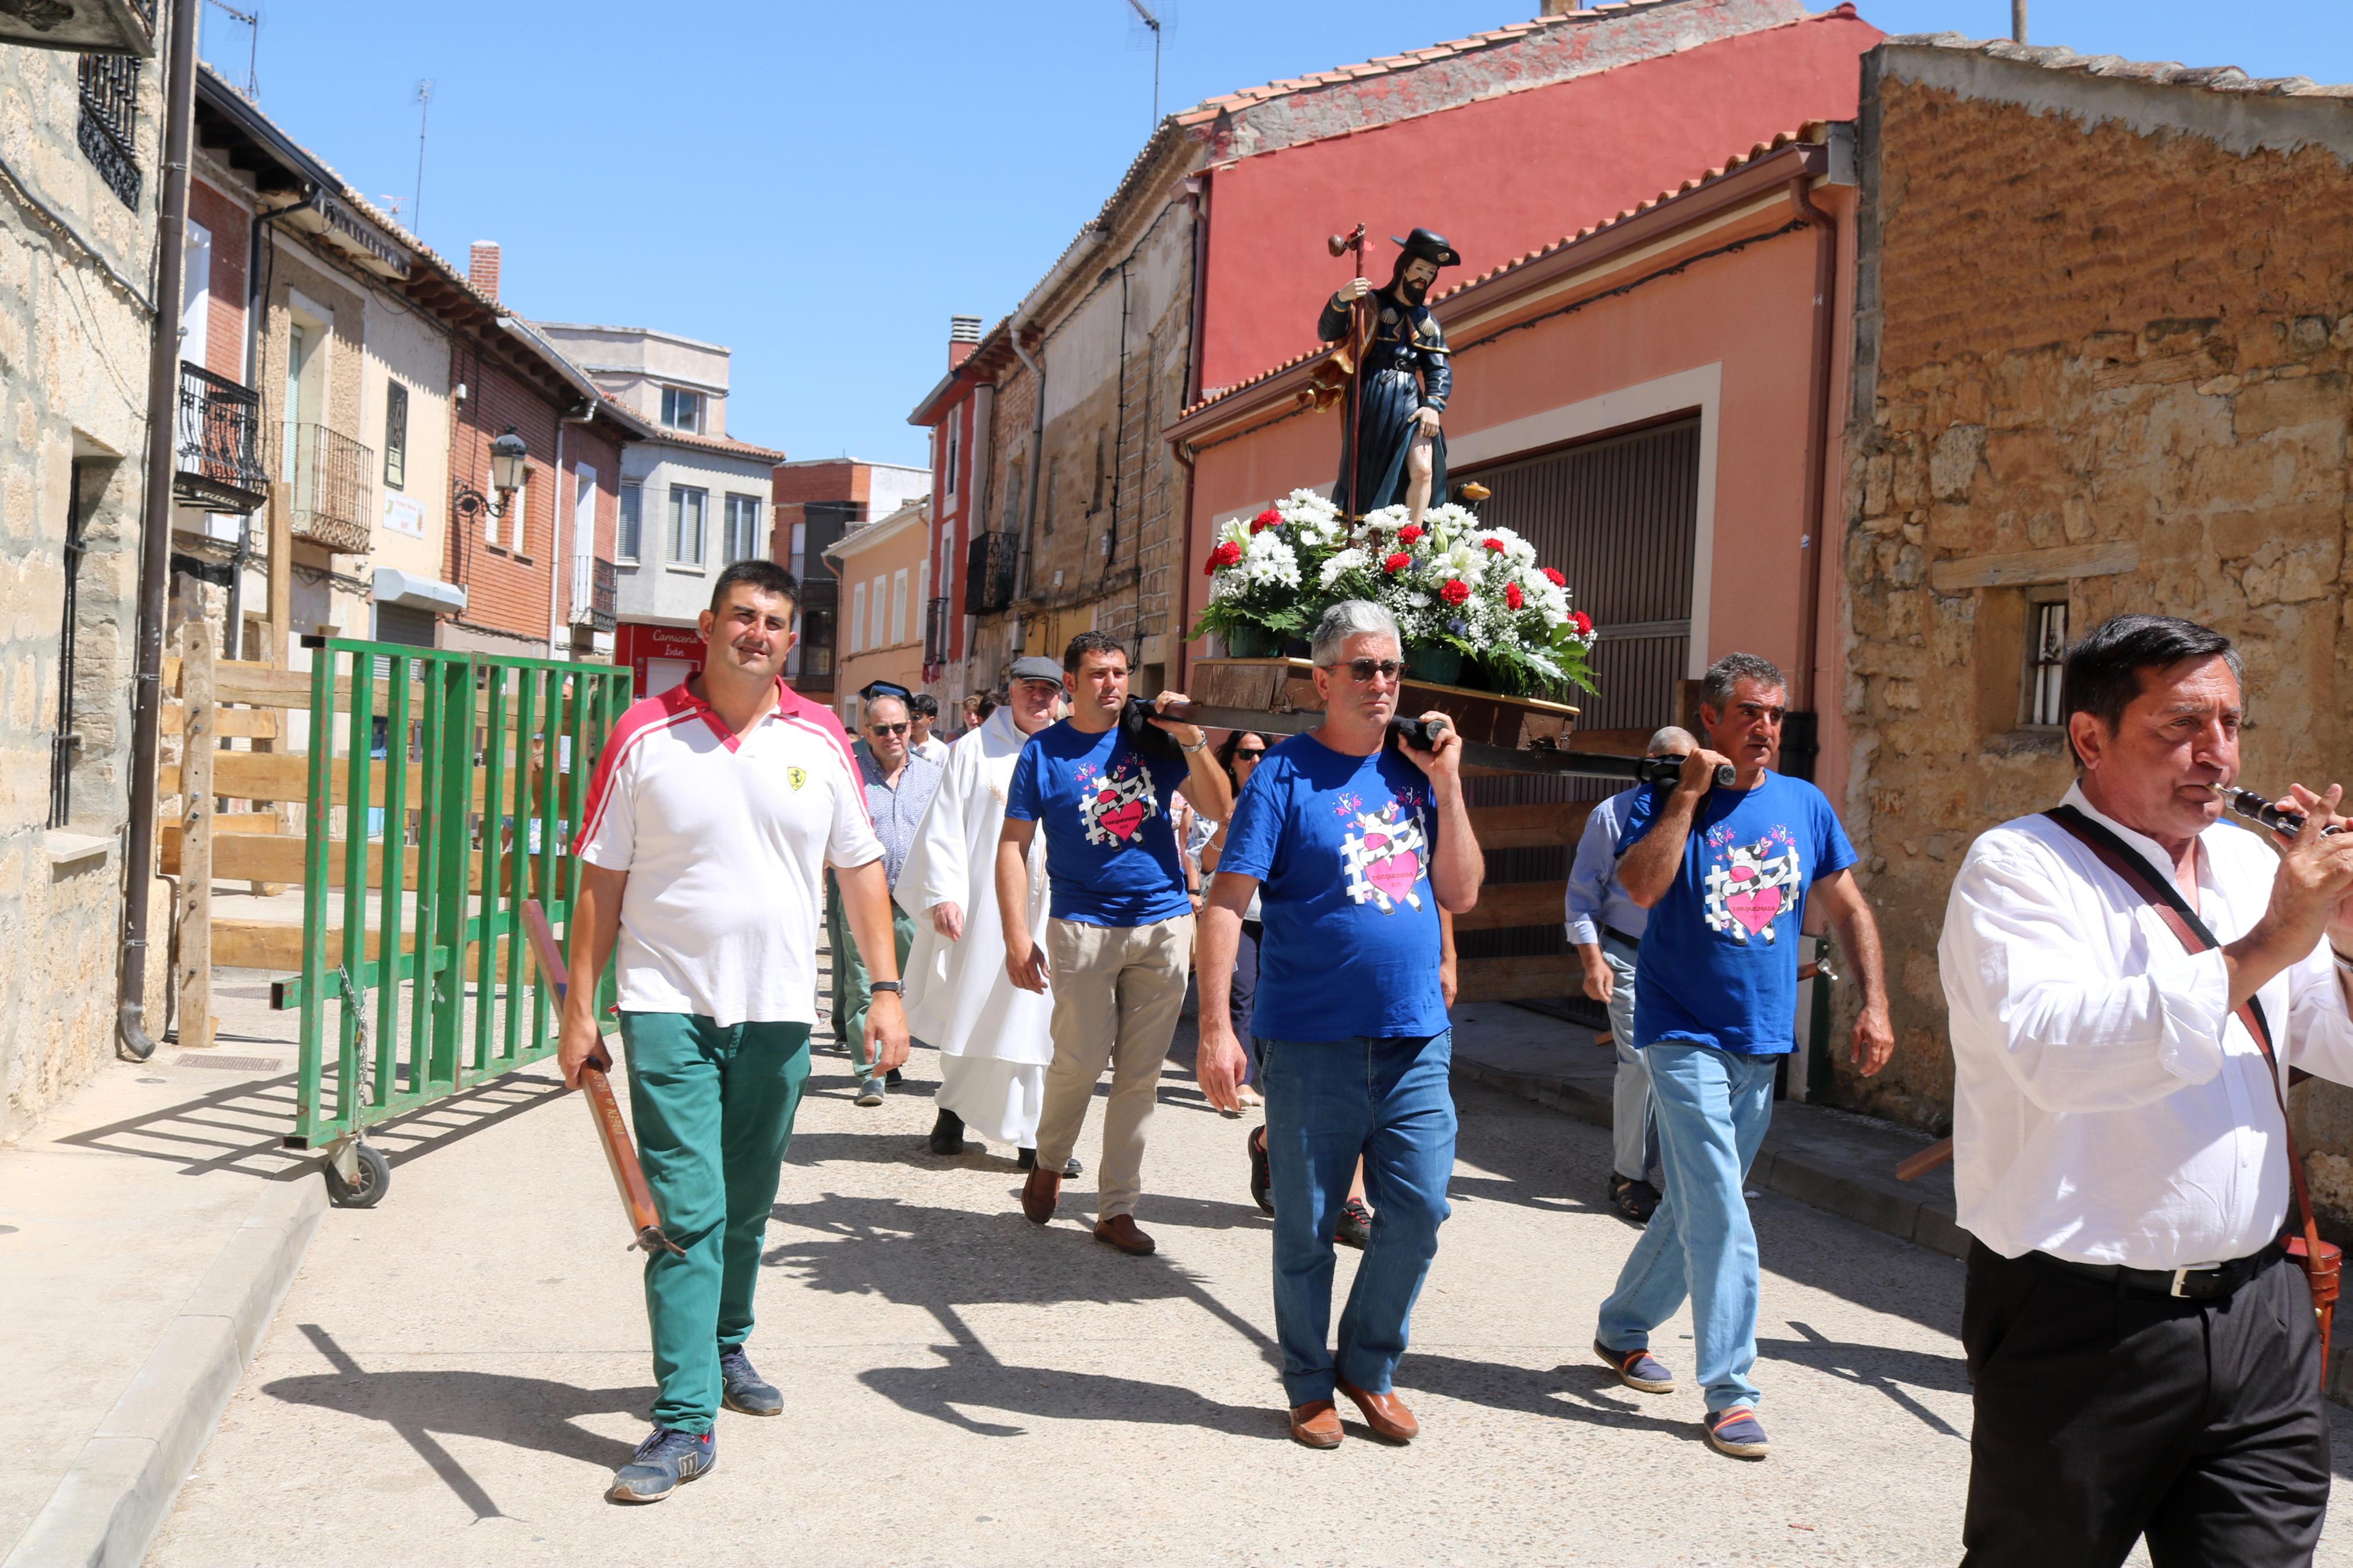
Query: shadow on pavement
point(532, 1413)
point(1877, 1366)
point(943, 1259)
point(1572, 1392)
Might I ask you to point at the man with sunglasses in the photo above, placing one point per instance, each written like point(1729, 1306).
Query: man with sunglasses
point(1353, 845)
point(1726, 875)
point(898, 785)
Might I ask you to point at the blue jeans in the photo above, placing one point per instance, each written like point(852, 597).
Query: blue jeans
point(1326, 1103)
point(1713, 1108)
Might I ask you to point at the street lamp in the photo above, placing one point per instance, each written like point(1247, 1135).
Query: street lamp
point(509, 457)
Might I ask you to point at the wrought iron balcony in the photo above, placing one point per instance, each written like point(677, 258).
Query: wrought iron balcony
point(108, 128)
point(935, 632)
point(218, 440)
point(989, 572)
point(594, 585)
point(328, 481)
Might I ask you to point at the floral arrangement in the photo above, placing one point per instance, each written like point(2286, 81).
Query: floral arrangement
point(1463, 593)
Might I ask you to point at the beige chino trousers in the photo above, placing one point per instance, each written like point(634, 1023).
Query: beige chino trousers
point(1118, 991)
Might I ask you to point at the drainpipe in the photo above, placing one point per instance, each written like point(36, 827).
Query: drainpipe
point(132, 1039)
point(1818, 429)
point(1184, 453)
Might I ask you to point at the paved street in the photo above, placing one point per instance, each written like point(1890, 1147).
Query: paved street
point(454, 1373)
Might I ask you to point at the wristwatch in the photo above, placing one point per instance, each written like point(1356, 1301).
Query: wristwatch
point(893, 986)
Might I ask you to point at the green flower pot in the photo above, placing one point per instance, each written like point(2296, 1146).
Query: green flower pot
point(1439, 666)
point(1252, 642)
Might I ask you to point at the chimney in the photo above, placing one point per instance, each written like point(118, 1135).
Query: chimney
point(482, 267)
point(964, 336)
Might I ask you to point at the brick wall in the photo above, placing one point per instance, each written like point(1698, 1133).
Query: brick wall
point(2097, 333)
point(506, 587)
point(232, 231)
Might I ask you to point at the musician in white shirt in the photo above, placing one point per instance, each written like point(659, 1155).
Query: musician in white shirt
point(2144, 1360)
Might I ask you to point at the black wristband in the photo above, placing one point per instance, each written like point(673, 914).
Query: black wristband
point(893, 986)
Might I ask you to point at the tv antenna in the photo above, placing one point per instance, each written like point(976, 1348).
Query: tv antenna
point(1152, 22)
point(252, 20)
point(424, 99)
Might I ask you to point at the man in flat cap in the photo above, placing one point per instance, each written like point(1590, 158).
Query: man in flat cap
point(1402, 382)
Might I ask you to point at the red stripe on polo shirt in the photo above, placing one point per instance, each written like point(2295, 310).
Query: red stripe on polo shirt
point(640, 719)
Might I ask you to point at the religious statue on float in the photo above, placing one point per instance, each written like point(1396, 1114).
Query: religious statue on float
point(1393, 451)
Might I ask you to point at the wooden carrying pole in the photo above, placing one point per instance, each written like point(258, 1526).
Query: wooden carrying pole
point(603, 1109)
point(193, 924)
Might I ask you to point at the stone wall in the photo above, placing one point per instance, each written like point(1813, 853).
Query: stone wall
point(2104, 345)
point(74, 337)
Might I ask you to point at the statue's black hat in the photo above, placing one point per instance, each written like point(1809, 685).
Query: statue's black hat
point(1429, 247)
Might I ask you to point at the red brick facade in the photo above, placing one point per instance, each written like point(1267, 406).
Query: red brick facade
point(231, 228)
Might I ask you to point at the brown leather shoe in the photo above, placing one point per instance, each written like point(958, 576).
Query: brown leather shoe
point(1315, 1424)
point(1039, 1193)
point(1385, 1413)
point(1119, 1231)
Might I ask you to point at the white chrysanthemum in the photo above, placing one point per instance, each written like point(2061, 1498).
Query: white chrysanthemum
point(1345, 562)
point(1306, 506)
point(1267, 559)
point(1386, 519)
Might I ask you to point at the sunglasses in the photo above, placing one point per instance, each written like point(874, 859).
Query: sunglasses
point(887, 729)
point(1362, 670)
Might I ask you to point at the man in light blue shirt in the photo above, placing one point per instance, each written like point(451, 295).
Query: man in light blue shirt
point(1605, 927)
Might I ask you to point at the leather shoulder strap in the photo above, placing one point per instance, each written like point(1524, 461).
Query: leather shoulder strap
point(2161, 895)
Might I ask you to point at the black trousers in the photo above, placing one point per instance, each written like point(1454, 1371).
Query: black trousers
point(2102, 1416)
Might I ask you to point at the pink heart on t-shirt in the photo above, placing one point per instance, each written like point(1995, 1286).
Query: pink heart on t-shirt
point(1123, 820)
point(1394, 876)
point(1756, 911)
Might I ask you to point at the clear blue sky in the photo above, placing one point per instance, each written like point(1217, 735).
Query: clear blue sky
point(820, 186)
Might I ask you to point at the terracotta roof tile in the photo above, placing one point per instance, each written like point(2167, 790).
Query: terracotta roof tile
point(2163, 73)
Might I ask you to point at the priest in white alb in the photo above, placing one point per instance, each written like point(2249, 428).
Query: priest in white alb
point(994, 1038)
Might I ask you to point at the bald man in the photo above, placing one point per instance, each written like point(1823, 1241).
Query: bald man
point(1605, 926)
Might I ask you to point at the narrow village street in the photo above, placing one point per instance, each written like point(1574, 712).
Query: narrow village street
point(454, 1373)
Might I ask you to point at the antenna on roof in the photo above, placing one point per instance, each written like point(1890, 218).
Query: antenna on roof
point(1153, 22)
point(424, 97)
point(252, 20)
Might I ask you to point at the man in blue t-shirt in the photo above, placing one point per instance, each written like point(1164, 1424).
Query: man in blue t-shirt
point(1119, 929)
point(1725, 874)
point(1353, 847)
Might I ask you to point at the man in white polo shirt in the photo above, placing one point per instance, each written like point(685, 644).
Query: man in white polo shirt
point(714, 810)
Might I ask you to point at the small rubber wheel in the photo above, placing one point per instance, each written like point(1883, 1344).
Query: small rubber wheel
point(367, 1190)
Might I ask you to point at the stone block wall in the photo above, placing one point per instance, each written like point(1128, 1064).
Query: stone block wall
point(74, 342)
point(2104, 344)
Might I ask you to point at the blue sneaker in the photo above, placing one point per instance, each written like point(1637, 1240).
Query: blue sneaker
point(870, 1091)
point(1638, 1370)
point(660, 1463)
point(1736, 1432)
point(745, 1390)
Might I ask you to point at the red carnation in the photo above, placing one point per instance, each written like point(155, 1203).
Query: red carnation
point(1582, 622)
point(1268, 519)
point(1554, 577)
point(1224, 555)
point(1495, 545)
point(1513, 597)
point(1455, 591)
point(1398, 563)
point(1408, 533)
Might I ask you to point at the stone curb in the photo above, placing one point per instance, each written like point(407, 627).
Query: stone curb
point(109, 1507)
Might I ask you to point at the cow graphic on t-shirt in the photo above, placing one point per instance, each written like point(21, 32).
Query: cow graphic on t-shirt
point(1385, 858)
point(1115, 805)
point(1751, 886)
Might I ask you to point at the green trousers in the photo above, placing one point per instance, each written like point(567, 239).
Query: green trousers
point(851, 996)
point(713, 1109)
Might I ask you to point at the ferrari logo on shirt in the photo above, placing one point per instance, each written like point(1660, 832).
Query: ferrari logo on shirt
point(796, 776)
point(1384, 857)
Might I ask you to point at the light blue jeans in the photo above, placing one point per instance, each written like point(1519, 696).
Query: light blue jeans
point(1633, 1132)
point(1327, 1103)
point(1713, 1108)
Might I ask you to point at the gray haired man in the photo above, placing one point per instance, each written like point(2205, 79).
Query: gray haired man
point(1604, 927)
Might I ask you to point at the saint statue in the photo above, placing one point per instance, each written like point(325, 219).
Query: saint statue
point(1393, 450)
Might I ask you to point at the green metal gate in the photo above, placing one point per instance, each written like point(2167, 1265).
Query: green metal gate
point(445, 787)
